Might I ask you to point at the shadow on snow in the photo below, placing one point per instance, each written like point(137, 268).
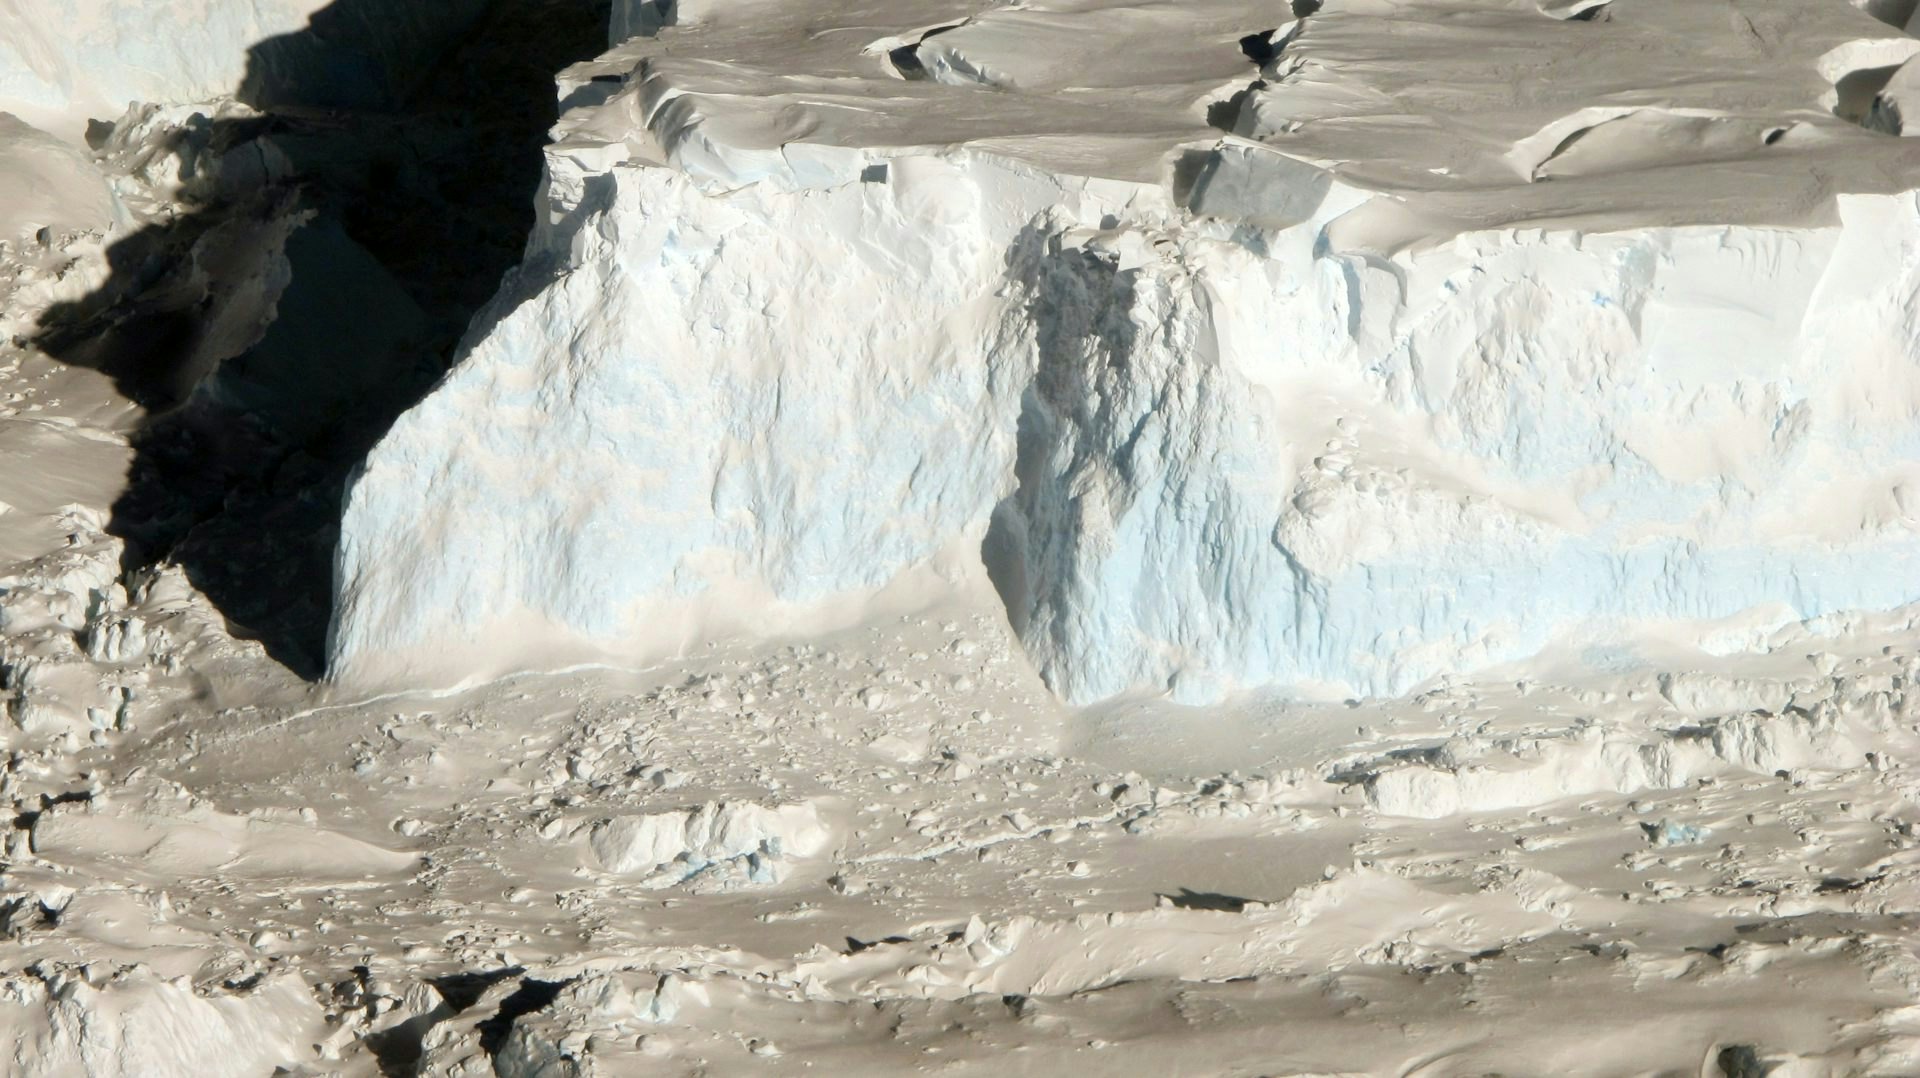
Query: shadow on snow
point(335, 248)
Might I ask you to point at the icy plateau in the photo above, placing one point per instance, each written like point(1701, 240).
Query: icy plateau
point(1395, 339)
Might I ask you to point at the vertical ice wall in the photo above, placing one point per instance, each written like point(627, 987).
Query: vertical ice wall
point(1204, 455)
point(695, 413)
point(1222, 418)
point(1276, 467)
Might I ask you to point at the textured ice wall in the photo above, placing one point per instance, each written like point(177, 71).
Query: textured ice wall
point(1194, 453)
point(1275, 465)
point(705, 404)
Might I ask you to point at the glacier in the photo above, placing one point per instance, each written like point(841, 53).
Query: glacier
point(1328, 356)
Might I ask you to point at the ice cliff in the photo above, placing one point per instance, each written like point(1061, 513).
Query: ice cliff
point(1392, 340)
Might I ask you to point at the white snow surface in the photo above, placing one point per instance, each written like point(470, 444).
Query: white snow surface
point(63, 62)
point(1454, 331)
point(48, 184)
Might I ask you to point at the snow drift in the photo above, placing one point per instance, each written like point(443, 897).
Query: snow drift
point(1229, 377)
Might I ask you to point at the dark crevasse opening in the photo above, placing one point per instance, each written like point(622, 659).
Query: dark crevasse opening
point(366, 214)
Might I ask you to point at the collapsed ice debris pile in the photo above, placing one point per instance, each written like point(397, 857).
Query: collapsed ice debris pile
point(1336, 372)
point(718, 845)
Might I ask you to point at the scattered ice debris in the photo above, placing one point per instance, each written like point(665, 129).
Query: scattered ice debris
point(1669, 833)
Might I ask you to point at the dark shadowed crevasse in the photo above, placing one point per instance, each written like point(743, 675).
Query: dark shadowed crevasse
point(409, 135)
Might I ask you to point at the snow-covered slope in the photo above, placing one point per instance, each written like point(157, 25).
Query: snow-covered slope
point(62, 61)
point(1449, 331)
point(55, 206)
point(47, 184)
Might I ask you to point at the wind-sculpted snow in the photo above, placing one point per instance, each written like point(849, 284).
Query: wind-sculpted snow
point(1391, 382)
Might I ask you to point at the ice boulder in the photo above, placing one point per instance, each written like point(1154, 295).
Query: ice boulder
point(719, 844)
point(1410, 339)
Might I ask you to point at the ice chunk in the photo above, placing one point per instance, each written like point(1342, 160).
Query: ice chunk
point(61, 1019)
point(1669, 833)
point(1897, 106)
point(733, 841)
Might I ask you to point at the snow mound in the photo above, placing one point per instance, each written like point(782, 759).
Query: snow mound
point(1523, 772)
point(168, 839)
point(1338, 400)
point(1355, 916)
point(57, 208)
point(1726, 726)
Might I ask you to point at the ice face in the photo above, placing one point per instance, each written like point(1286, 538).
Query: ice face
point(1309, 406)
point(1232, 476)
point(616, 470)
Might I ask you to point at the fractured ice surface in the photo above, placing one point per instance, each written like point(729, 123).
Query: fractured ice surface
point(1451, 331)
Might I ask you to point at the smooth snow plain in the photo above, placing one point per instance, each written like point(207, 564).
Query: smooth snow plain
point(1156, 538)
